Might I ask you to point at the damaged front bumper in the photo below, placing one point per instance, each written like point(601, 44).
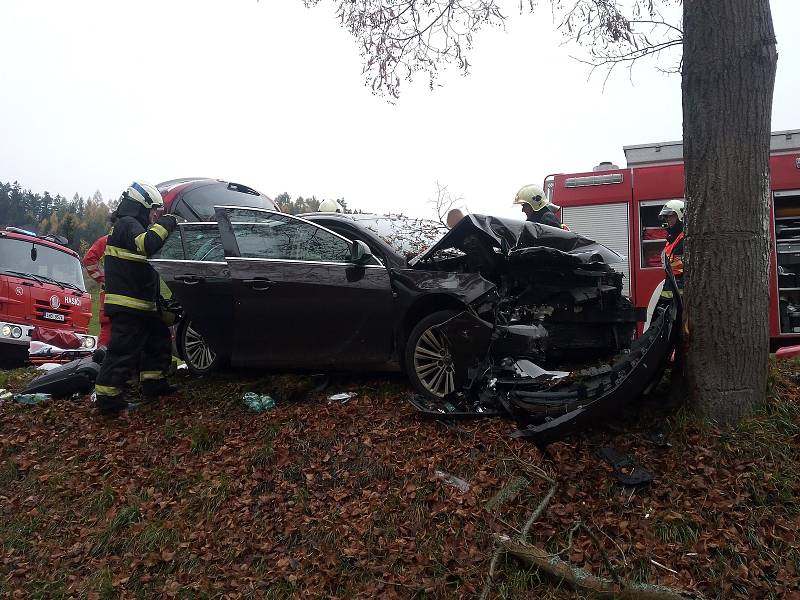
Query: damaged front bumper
point(550, 405)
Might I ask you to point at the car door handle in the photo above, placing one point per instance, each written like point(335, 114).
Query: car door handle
point(190, 279)
point(259, 283)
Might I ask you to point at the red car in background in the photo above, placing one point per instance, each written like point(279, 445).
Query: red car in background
point(194, 198)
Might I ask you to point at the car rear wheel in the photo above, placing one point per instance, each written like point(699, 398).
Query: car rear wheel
point(200, 358)
point(429, 360)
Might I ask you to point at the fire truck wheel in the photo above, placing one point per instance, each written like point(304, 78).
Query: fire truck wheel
point(429, 361)
point(200, 358)
point(13, 357)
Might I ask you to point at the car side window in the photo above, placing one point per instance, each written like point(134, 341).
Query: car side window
point(173, 247)
point(202, 242)
point(350, 235)
point(281, 237)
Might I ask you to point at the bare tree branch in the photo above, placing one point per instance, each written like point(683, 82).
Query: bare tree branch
point(399, 39)
point(444, 202)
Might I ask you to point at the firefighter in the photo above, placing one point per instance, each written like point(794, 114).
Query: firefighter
point(672, 220)
point(140, 340)
point(330, 206)
point(454, 217)
point(536, 207)
point(93, 261)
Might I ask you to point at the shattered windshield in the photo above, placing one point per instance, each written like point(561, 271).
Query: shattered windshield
point(18, 256)
point(407, 236)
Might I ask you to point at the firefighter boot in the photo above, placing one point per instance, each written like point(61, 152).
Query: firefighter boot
point(155, 388)
point(111, 406)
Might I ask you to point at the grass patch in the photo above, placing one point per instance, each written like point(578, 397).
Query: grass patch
point(9, 471)
point(101, 501)
point(108, 540)
point(155, 537)
point(17, 534)
point(202, 438)
point(678, 531)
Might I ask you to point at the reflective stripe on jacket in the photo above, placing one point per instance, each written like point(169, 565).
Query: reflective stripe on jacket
point(93, 260)
point(675, 259)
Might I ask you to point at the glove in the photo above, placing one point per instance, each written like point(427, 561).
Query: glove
point(168, 222)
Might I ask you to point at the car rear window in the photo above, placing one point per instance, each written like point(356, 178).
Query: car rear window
point(203, 199)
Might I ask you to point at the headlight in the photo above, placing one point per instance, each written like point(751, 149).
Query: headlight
point(88, 342)
point(6, 330)
point(16, 332)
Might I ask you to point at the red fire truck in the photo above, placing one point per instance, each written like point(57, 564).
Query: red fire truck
point(619, 208)
point(43, 298)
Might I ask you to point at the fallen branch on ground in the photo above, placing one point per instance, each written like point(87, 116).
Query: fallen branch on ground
point(487, 588)
point(580, 579)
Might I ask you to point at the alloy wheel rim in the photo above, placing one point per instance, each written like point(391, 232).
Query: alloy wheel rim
point(198, 353)
point(434, 363)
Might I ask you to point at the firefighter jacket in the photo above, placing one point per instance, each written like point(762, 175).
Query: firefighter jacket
point(674, 248)
point(545, 216)
point(93, 260)
point(131, 283)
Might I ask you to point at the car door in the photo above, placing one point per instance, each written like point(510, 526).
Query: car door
point(192, 264)
point(300, 300)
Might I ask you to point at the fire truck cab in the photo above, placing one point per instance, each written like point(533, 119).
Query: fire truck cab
point(619, 207)
point(42, 296)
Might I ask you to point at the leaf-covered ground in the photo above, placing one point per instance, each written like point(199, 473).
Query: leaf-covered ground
point(196, 497)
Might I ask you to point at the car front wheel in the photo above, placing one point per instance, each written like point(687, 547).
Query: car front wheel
point(429, 360)
point(200, 358)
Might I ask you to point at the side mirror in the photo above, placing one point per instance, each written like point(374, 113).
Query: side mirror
point(360, 253)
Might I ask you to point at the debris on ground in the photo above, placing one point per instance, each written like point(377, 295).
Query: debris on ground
point(342, 397)
point(258, 403)
point(626, 470)
point(32, 398)
point(456, 482)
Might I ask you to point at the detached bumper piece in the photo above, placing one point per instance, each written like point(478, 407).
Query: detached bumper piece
point(76, 377)
point(551, 405)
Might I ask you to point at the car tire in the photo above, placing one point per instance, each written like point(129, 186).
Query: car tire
point(429, 362)
point(200, 358)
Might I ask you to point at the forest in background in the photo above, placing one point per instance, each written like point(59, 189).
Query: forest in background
point(83, 220)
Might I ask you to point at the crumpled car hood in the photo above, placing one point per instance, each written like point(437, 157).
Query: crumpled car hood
point(523, 240)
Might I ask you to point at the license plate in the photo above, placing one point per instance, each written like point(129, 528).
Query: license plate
point(53, 316)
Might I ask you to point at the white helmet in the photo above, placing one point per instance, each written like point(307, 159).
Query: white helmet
point(533, 196)
point(330, 206)
point(144, 193)
point(672, 207)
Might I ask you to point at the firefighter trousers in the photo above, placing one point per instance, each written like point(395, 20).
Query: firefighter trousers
point(140, 344)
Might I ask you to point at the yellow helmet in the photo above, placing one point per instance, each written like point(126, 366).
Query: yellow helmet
point(533, 196)
point(330, 206)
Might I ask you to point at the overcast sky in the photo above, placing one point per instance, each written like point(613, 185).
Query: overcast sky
point(270, 94)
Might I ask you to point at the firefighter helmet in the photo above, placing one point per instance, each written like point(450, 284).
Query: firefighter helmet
point(144, 193)
point(533, 196)
point(673, 207)
point(330, 206)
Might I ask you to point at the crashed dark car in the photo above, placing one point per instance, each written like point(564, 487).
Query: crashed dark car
point(339, 292)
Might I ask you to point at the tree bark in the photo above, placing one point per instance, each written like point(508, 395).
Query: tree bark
point(729, 64)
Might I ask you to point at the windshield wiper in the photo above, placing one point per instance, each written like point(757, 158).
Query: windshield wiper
point(62, 284)
point(25, 275)
point(44, 279)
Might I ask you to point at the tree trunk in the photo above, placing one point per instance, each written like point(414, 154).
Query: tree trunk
point(728, 78)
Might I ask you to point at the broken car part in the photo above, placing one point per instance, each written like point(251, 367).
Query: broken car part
point(626, 470)
point(549, 405)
